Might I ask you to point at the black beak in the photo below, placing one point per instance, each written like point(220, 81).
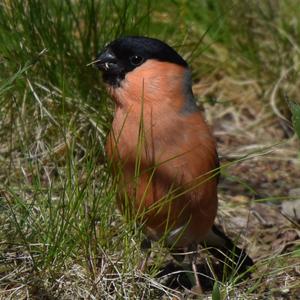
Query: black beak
point(105, 60)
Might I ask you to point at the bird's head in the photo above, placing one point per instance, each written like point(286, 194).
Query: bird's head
point(128, 53)
point(137, 67)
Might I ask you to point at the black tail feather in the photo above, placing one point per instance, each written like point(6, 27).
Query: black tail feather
point(227, 252)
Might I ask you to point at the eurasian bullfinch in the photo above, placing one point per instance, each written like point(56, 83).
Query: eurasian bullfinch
point(161, 148)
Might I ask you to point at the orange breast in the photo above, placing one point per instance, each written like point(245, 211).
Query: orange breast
point(164, 160)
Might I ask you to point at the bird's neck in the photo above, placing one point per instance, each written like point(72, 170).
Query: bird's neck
point(155, 85)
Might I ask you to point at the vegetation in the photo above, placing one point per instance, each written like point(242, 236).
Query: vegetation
point(61, 236)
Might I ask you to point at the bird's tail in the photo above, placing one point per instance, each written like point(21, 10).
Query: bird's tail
point(225, 250)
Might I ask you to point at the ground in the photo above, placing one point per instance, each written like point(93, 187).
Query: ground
point(253, 190)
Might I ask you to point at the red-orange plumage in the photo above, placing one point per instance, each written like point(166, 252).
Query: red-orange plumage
point(176, 188)
point(161, 150)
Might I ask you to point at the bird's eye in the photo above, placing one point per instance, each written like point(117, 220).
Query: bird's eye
point(136, 60)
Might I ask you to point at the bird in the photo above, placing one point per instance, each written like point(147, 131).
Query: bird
point(161, 148)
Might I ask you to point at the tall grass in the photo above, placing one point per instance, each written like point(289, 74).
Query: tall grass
point(61, 235)
point(56, 196)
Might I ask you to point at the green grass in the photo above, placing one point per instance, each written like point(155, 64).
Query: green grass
point(61, 235)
